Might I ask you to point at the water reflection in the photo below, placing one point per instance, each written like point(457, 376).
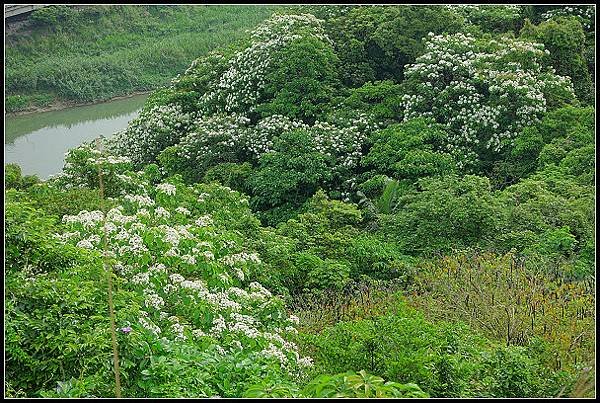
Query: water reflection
point(38, 142)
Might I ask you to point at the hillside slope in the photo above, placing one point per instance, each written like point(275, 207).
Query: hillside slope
point(87, 54)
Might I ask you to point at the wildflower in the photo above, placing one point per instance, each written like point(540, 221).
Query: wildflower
point(204, 221)
point(84, 243)
point(182, 210)
point(162, 212)
point(166, 188)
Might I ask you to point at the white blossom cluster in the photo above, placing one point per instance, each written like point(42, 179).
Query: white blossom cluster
point(214, 138)
point(229, 138)
point(259, 139)
point(586, 14)
point(343, 143)
point(167, 188)
point(140, 200)
point(87, 219)
point(482, 91)
point(83, 164)
point(150, 133)
point(240, 87)
point(163, 257)
point(243, 257)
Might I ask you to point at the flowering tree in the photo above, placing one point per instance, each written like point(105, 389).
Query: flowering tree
point(151, 132)
point(241, 87)
point(178, 248)
point(586, 14)
point(483, 91)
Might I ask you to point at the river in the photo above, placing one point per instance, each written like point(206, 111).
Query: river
point(38, 141)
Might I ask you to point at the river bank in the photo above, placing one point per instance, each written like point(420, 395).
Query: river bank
point(63, 57)
point(37, 142)
point(60, 105)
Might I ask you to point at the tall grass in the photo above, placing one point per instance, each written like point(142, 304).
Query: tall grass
point(101, 52)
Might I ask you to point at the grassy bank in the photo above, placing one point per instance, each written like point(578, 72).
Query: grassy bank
point(99, 52)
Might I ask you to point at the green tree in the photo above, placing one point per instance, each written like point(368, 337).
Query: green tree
point(447, 212)
point(375, 43)
point(289, 175)
point(565, 38)
point(302, 80)
point(410, 150)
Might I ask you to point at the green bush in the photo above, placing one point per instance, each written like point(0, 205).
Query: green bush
point(14, 180)
point(445, 359)
point(15, 103)
point(52, 15)
point(446, 213)
point(30, 244)
point(361, 385)
point(230, 174)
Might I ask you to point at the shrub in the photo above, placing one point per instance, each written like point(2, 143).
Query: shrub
point(83, 165)
point(230, 174)
point(168, 330)
point(511, 299)
point(445, 359)
point(447, 212)
point(14, 180)
point(52, 15)
point(30, 243)
point(361, 385)
point(15, 103)
point(381, 99)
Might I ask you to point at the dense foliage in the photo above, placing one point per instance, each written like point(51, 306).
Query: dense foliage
point(68, 54)
point(355, 201)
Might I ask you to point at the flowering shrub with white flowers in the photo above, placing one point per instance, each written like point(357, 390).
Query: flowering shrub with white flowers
point(83, 164)
point(483, 91)
point(586, 14)
point(191, 271)
point(151, 132)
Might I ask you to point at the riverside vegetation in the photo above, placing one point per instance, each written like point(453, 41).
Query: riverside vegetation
point(354, 201)
point(93, 53)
